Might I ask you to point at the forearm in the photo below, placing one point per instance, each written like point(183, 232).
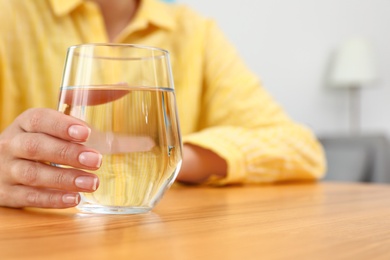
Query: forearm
point(281, 152)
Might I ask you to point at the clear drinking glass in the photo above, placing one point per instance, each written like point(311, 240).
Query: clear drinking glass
point(126, 95)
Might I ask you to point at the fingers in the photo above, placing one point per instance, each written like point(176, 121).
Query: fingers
point(54, 123)
point(36, 174)
point(39, 136)
point(19, 196)
point(40, 147)
point(35, 184)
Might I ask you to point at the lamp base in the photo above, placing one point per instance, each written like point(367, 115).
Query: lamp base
point(354, 110)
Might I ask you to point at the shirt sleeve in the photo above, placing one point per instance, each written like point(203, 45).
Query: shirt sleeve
point(245, 126)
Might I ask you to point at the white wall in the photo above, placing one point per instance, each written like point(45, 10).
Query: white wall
point(288, 43)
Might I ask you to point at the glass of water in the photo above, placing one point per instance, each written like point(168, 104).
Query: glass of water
point(125, 93)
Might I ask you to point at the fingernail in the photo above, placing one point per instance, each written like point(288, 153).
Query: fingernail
point(90, 159)
point(79, 132)
point(71, 198)
point(87, 182)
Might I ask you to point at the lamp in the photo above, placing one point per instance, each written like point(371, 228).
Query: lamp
point(353, 67)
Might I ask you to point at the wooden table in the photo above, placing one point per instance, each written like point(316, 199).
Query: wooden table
point(286, 221)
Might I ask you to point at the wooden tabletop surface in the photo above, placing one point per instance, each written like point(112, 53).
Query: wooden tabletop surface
point(287, 221)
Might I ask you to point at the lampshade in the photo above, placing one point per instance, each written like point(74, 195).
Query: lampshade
point(353, 65)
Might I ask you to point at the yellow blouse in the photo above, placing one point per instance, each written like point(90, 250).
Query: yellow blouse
point(222, 105)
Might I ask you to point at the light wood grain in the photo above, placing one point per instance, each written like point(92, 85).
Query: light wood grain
point(289, 221)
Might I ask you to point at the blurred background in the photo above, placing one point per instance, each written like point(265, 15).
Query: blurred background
point(326, 62)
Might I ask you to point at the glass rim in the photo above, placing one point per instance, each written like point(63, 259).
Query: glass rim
point(138, 46)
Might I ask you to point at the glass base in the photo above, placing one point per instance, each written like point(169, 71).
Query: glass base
point(112, 210)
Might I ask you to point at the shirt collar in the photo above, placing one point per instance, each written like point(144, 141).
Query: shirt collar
point(63, 7)
point(149, 11)
point(157, 13)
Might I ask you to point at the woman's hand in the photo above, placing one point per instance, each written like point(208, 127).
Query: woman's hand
point(200, 164)
point(35, 139)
